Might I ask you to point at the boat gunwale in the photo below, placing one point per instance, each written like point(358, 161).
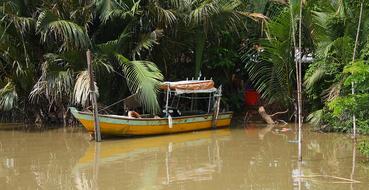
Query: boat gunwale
point(153, 119)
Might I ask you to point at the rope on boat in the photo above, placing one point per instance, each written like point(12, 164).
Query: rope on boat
point(111, 105)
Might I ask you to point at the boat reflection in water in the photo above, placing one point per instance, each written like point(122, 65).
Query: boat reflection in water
point(164, 160)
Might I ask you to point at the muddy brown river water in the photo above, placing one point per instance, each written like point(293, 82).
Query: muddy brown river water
point(256, 157)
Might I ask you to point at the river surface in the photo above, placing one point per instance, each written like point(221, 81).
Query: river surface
point(252, 157)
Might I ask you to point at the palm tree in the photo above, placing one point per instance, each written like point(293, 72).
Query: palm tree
point(270, 62)
point(64, 29)
point(211, 18)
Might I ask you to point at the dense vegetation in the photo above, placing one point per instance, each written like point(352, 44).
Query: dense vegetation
point(43, 45)
point(337, 69)
point(137, 44)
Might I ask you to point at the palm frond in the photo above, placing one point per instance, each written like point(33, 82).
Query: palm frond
point(163, 16)
point(230, 15)
point(24, 24)
point(113, 46)
point(101, 63)
point(82, 89)
point(271, 68)
point(144, 78)
point(8, 97)
point(147, 41)
point(54, 83)
point(202, 13)
point(255, 16)
point(315, 77)
point(333, 91)
point(180, 4)
point(71, 34)
point(315, 118)
point(108, 9)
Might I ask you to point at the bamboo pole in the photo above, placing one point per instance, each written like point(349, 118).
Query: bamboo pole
point(167, 101)
point(216, 107)
point(353, 60)
point(353, 161)
point(299, 86)
point(93, 97)
point(296, 63)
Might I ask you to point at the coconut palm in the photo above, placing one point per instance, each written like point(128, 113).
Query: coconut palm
point(64, 30)
point(270, 60)
point(211, 18)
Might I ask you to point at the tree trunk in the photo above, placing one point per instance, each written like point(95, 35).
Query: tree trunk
point(267, 118)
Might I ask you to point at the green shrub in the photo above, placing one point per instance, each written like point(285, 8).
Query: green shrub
point(364, 148)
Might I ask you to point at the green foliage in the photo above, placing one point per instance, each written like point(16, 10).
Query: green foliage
point(358, 73)
point(349, 104)
point(144, 78)
point(323, 76)
point(316, 117)
point(68, 32)
point(224, 58)
point(329, 80)
point(234, 101)
point(272, 68)
point(357, 104)
point(8, 97)
point(43, 45)
point(364, 148)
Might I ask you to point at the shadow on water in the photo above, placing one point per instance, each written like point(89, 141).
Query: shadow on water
point(243, 157)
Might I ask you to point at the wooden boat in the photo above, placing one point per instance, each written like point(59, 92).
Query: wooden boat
point(117, 125)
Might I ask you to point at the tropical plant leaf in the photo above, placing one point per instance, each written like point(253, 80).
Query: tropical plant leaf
point(202, 13)
point(144, 78)
point(163, 16)
point(54, 84)
point(315, 77)
point(113, 46)
point(8, 97)
point(180, 4)
point(147, 41)
point(271, 67)
point(316, 118)
point(82, 89)
point(71, 34)
point(109, 9)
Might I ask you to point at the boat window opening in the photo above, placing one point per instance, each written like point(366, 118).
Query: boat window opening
point(186, 104)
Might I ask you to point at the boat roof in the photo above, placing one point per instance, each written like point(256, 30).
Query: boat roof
point(190, 86)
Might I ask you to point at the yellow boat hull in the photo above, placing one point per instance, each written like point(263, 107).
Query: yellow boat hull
point(123, 126)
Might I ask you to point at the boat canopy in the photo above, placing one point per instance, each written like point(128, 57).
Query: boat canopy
point(190, 86)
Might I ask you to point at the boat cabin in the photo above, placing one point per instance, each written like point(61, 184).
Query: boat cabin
point(189, 97)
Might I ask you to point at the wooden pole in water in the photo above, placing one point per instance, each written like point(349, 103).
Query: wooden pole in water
point(216, 107)
point(293, 24)
point(167, 101)
point(299, 86)
point(353, 60)
point(93, 96)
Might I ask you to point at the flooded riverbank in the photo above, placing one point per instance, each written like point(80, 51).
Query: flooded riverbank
point(256, 157)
